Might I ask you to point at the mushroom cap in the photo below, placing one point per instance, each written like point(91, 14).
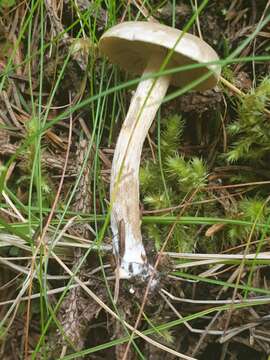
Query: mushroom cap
point(132, 44)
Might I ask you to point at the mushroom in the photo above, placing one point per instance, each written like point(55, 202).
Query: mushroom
point(141, 48)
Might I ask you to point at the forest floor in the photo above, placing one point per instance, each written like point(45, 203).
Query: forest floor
point(204, 188)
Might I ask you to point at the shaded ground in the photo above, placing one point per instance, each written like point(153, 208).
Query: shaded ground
point(215, 164)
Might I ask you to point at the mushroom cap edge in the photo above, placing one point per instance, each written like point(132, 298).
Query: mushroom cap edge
point(131, 44)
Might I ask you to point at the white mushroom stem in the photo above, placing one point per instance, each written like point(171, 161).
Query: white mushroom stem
point(125, 212)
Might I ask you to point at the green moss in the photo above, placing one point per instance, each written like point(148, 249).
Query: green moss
point(190, 174)
point(172, 132)
point(254, 210)
point(251, 131)
point(181, 176)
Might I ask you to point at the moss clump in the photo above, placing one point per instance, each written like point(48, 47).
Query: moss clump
point(168, 186)
point(251, 131)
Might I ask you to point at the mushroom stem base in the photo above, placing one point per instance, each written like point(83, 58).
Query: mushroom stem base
point(126, 215)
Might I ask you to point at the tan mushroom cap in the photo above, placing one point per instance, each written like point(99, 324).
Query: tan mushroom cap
point(131, 44)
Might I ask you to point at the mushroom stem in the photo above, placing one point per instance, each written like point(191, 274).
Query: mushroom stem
point(125, 213)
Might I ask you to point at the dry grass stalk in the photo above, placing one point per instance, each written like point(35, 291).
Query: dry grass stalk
point(76, 312)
